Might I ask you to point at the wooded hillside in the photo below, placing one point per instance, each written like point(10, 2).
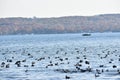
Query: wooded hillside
point(70, 24)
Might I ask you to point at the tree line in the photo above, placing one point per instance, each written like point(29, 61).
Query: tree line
point(68, 24)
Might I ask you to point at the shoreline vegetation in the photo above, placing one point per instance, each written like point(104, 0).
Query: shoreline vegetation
point(60, 25)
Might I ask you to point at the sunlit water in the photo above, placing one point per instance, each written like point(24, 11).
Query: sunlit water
point(46, 49)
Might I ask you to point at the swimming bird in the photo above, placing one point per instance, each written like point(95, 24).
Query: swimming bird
point(114, 66)
point(2, 64)
point(67, 77)
point(87, 62)
point(33, 64)
point(8, 65)
point(97, 75)
point(9, 60)
point(18, 63)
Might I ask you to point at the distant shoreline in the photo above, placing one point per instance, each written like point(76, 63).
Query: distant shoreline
point(60, 25)
point(62, 34)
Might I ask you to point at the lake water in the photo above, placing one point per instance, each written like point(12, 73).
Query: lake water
point(55, 56)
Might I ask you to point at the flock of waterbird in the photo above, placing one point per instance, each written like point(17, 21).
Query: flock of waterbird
point(79, 60)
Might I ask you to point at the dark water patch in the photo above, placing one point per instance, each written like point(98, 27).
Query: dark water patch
point(71, 71)
point(66, 71)
point(15, 77)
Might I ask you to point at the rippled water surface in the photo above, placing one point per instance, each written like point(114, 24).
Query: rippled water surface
point(60, 57)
